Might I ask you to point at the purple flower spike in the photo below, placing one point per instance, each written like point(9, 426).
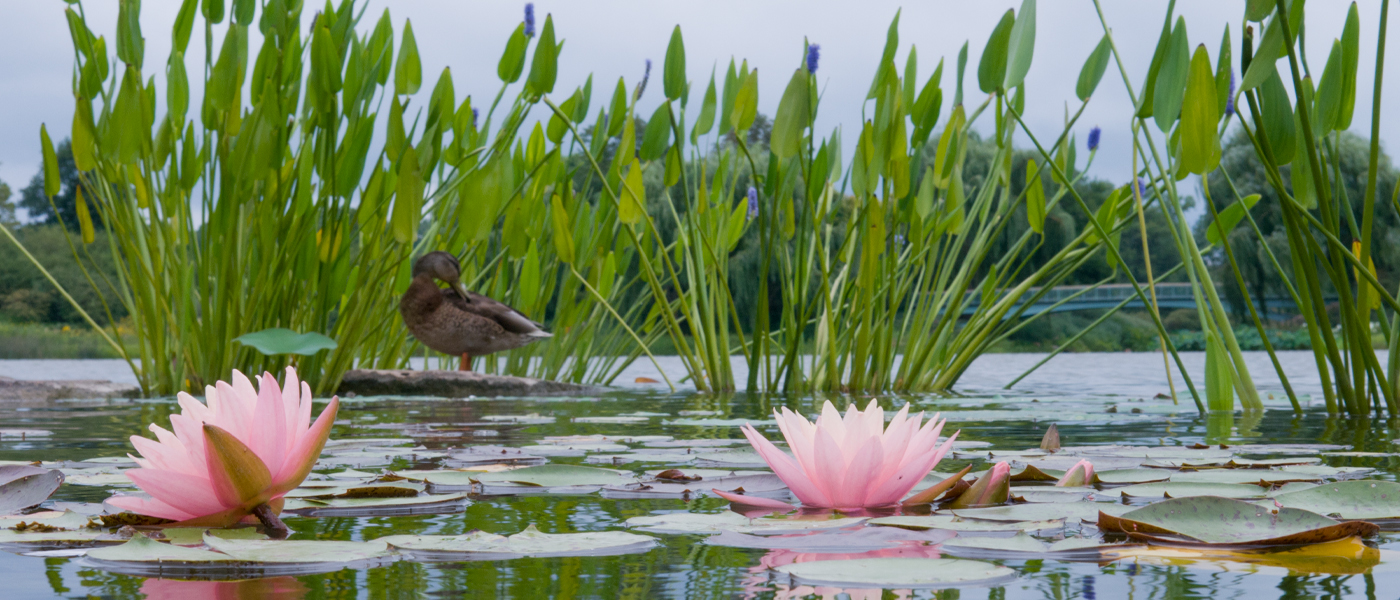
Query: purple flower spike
point(646, 76)
point(1230, 99)
point(753, 202)
point(529, 19)
point(1094, 135)
point(814, 53)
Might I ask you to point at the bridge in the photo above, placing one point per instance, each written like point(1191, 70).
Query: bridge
point(1068, 298)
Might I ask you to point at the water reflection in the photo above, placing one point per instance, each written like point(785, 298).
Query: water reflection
point(272, 588)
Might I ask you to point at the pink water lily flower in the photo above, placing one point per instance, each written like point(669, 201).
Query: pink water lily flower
point(1082, 473)
point(850, 462)
point(233, 456)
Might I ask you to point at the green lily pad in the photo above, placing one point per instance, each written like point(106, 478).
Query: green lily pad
point(297, 551)
point(1348, 499)
point(952, 523)
point(1181, 490)
point(1130, 476)
point(573, 449)
point(277, 341)
point(1025, 547)
point(194, 536)
point(143, 549)
point(1073, 511)
point(897, 572)
point(1257, 477)
point(688, 523)
point(480, 545)
point(22, 486)
point(70, 537)
point(612, 420)
point(422, 504)
point(721, 422)
point(66, 519)
point(1223, 521)
point(552, 476)
point(99, 479)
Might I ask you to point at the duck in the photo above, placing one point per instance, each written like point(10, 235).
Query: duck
point(459, 322)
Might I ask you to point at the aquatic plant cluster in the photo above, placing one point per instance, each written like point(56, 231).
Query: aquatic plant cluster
point(871, 254)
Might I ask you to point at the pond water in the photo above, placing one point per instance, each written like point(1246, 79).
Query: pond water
point(1102, 399)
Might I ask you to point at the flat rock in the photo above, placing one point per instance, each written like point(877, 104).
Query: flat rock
point(453, 384)
point(34, 390)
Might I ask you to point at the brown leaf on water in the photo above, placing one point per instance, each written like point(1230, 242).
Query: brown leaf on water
point(931, 494)
point(1051, 441)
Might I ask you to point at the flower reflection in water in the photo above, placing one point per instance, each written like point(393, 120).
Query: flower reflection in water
point(762, 581)
point(272, 588)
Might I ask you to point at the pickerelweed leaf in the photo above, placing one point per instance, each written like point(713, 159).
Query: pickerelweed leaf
point(1229, 218)
point(1200, 116)
point(23, 486)
point(897, 572)
point(1348, 499)
point(1224, 521)
point(690, 523)
point(480, 545)
point(991, 70)
point(278, 341)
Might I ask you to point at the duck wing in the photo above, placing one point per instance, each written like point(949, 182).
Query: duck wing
point(508, 318)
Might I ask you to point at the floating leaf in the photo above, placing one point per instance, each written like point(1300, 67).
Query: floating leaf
point(1258, 477)
point(1223, 521)
point(897, 572)
point(23, 486)
point(1074, 511)
point(1023, 546)
point(479, 545)
point(1348, 499)
point(422, 504)
point(688, 523)
point(278, 340)
point(863, 539)
point(549, 476)
point(1181, 490)
point(966, 525)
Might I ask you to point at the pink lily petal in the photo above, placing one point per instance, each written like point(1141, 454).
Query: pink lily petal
point(303, 457)
point(864, 467)
point(755, 501)
point(269, 438)
point(787, 470)
point(149, 506)
point(831, 466)
point(894, 488)
point(190, 493)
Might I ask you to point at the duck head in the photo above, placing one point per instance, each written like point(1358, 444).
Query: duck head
point(441, 266)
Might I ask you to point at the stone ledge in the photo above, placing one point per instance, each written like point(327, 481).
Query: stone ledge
point(25, 390)
point(453, 384)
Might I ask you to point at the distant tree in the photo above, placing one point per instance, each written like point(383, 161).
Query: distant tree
point(7, 206)
point(33, 200)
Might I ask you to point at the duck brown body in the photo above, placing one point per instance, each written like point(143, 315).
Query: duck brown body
point(457, 321)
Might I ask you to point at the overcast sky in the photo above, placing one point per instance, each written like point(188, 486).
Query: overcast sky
point(612, 38)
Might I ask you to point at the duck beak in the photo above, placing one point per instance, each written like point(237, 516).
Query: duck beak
point(461, 288)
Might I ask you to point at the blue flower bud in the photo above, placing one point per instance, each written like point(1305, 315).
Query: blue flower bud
point(1230, 100)
point(814, 53)
point(753, 202)
point(529, 19)
point(1094, 135)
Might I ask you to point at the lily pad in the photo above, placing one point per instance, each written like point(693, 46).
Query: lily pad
point(100, 478)
point(482, 455)
point(279, 340)
point(612, 420)
point(1023, 546)
point(194, 536)
point(54, 539)
point(1130, 476)
point(1182, 490)
point(721, 422)
point(530, 419)
point(480, 545)
point(1223, 521)
point(422, 504)
point(1348, 499)
point(572, 449)
point(48, 520)
point(1073, 511)
point(551, 476)
point(897, 572)
point(861, 539)
point(23, 486)
point(952, 523)
point(689, 523)
point(237, 558)
point(1257, 477)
